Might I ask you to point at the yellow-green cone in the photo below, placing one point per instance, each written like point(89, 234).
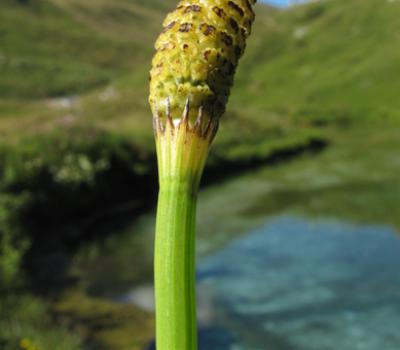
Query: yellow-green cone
point(197, 54)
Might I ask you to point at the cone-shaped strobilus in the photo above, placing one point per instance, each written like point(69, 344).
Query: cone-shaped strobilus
point(190, 80)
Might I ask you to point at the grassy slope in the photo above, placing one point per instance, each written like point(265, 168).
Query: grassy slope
point(102, 54)
point(330, 62)
point(337, 59)
point(57, 48)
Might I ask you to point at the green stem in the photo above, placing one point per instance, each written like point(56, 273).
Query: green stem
point(175, 266)
point(181, 153)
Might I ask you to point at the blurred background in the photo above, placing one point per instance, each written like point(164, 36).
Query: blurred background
point(298, 218)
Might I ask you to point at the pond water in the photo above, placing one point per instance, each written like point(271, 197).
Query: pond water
point(297, 284)
point(294, 284)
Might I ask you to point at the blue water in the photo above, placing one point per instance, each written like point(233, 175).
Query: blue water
point(295, 284)
point(282, 3)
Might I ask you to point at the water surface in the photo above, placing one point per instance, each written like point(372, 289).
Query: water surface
point(298, 284)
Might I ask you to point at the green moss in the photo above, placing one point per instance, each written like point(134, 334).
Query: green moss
point(25, 323)
point(107, 325)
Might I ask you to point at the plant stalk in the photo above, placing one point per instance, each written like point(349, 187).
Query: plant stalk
point(175, 266)
point(181, 151)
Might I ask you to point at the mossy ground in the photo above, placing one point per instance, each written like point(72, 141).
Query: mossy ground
point(105, 324)
point(25, 323)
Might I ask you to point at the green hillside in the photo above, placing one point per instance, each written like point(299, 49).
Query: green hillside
point(58, 48)
point(66, 47)
point(85, 65)
point(327, 60)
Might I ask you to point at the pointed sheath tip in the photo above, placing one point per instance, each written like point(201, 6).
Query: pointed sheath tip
point(199, 122)
point(157, 125)
point(187, 107)
point(168, 107)
point(185, 114)
point(169, 120)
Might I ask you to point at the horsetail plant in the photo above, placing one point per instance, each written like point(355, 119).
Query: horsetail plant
point(190, 80)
